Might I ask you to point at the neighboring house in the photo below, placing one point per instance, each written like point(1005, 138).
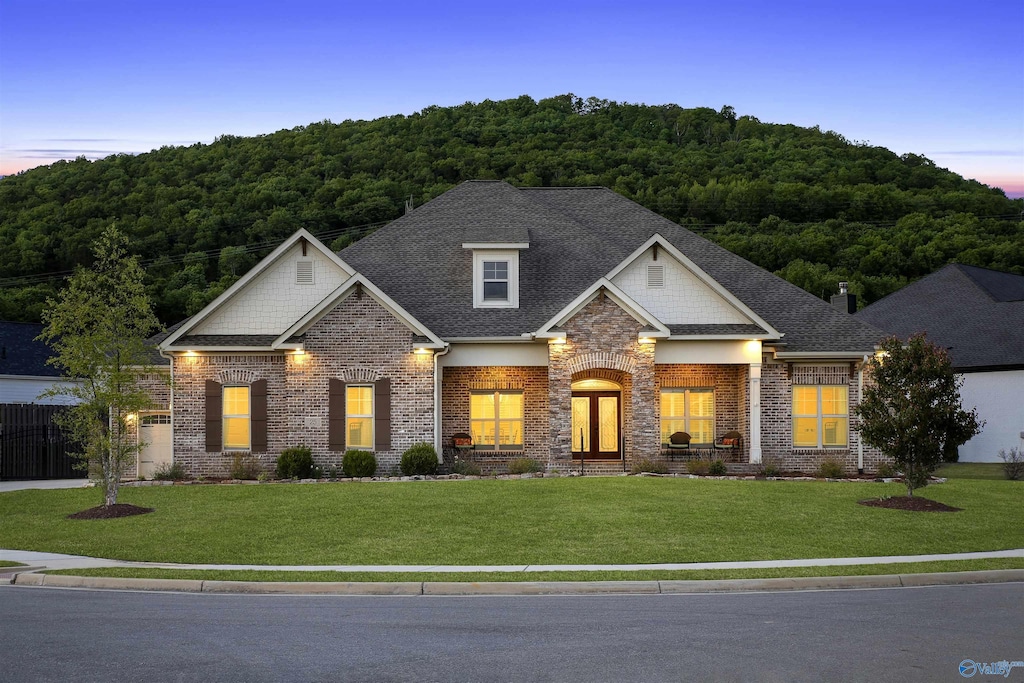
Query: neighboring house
point(24, 372)
point(978, 314)
point(551, 323)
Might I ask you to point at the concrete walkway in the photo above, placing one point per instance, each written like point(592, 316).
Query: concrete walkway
point(43, 484)
point(58, 561)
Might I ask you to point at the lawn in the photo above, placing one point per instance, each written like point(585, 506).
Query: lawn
point(533, 521)
point(972, 470)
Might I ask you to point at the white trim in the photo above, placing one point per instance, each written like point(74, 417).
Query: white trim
point(255, 271)
point(621, 299)
point(719, 337)
point(218, 349)
point(523, 339)
point(495, 245)
point(511, 258)
point(809, 356)
point(700, 274)
point(344, 291)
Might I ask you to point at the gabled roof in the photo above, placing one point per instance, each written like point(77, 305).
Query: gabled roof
point(654, 327)
point(977, 313)
point(290, 338)
point(182, 330)
point(576, 237)
point(21, 354)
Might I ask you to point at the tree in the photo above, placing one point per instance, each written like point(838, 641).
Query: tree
point(97, 327)
point(912, 412)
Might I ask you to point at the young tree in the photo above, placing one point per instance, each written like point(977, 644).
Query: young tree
point(912, 412)
point(97, 328)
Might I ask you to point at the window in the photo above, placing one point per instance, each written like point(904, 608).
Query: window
point(237, 435)
point(496, 420)
point(495, 278)
point(496, 281)
point(359, 416)
point(820, 416)
point(688, 410)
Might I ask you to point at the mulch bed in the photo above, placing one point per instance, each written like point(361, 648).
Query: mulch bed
point(911, 503)
point(110, 511)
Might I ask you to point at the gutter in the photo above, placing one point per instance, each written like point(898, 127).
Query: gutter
point(170, 403)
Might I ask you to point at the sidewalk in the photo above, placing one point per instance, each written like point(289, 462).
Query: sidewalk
point(43, 484)
point(58, 561)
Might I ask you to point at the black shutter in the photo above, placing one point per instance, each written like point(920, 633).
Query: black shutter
point(382, 415)
point(214, 411)
point(258, 415)
point(336, 415)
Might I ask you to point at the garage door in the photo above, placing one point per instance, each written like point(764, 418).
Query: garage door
point(155, 432)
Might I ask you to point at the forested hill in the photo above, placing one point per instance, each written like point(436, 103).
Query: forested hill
point(809, 205)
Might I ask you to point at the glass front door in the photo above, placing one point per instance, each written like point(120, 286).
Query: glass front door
point(595, 425)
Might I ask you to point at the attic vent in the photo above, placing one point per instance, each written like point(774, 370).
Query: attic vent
point(655, 276)
point(304, 272)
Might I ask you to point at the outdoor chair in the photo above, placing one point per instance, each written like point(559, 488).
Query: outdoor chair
point(461, 442)
point(680, 441)
point(730, 441)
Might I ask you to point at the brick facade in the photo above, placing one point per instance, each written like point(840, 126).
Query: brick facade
point(357, 341)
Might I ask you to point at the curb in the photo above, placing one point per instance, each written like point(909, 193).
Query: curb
point(454, 588)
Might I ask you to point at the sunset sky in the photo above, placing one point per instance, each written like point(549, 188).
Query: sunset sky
point(98, 77)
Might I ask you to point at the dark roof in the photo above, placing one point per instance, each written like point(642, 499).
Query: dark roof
point(227, 340)
point(21, 354)
point(978, 314)
point(744, 329)
point(576, 236)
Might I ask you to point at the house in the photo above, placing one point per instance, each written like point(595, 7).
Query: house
point(31, 444)
point(978, 315)
point(560, 324)
point(24, 372)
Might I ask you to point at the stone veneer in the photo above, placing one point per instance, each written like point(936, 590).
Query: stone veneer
point(357, 341)
point(602, 336)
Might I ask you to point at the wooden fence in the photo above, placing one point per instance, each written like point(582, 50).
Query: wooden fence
point(32, 446)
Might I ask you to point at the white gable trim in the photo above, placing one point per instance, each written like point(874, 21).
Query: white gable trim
point(712, 283)
point(253, 273)
point(623, 300)
point(343, 292)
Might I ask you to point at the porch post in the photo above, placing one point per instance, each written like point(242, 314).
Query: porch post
point(755, 412)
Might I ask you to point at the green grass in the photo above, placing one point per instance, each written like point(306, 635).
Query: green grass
point(691, 575)
point(534, 521)
point(6, 563)
point(972, 470)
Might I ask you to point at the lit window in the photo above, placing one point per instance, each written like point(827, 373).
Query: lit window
point(688, 410)
point(496, 420)
point(359, 416)
point(236, 418)
point(820, 416)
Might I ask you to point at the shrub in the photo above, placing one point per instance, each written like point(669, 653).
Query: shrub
point(420, 458)
point(357, 463)
point(295, 462)
point(466, 467)
point(770, 467)
point(649, 465)
point(524, 466)
point(886, 471)
point(171, 472)
point(1013, 463)
point(830, 468)
point(718, 469)
point(244, 466)
point(697, 466)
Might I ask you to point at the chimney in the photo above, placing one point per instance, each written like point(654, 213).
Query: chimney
point(844, 301)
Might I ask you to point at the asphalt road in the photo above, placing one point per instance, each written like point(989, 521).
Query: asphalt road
point(910, 634)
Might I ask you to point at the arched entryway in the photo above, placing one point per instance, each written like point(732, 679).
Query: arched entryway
point(596, 419)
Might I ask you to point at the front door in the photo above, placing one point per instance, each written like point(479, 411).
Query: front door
point(595, 425)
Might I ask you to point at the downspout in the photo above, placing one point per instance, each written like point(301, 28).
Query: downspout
point(860, 398)
point(170, 403)
point(437, 403)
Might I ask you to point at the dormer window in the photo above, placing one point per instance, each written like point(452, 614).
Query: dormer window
point(496, 281)
point(495, 277)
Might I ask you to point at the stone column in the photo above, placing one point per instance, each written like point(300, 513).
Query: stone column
point(646, 407)
point(560, 400)
point(754, 391)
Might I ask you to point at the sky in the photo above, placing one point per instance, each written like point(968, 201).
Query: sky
point(98, 77)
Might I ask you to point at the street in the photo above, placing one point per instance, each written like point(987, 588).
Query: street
point(910, 634)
